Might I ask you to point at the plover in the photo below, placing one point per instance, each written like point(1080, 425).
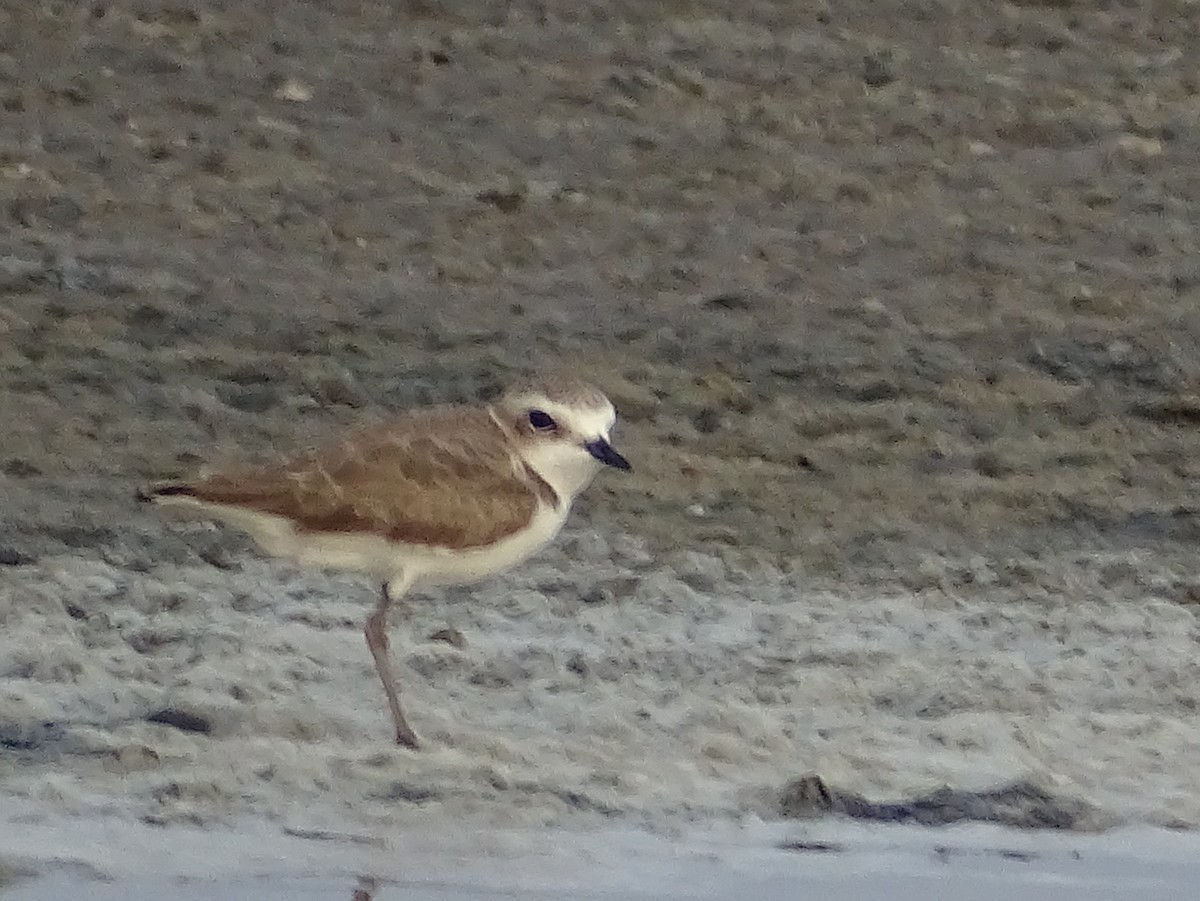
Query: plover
point(438, 496)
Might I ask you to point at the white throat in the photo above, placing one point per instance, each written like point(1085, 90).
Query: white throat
point(567, 468)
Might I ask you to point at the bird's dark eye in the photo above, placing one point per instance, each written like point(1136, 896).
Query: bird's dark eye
point(541, 421)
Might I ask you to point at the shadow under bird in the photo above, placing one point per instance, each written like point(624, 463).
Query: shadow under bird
point(437, 496)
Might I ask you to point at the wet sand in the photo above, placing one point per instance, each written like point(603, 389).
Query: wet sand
point(832, 860)
point(899, 307)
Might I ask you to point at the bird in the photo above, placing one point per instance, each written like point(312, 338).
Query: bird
point(433, 496)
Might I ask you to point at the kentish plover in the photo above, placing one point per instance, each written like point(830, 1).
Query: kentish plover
point(437, 496)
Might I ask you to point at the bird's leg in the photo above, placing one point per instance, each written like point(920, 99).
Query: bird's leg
point(377, 641)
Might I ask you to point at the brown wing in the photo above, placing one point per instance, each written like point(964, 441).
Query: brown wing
point(441, 477)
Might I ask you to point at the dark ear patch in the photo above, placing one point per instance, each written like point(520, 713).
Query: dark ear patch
point(520, 425)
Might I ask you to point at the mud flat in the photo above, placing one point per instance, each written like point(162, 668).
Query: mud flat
point(899, 307)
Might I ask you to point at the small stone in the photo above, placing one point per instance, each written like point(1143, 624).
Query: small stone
point(1137, 147)
point(408, 792)
point(631, 551)
point(450, 636)
point(588, 546)
point(708, 420)
point(250, 398)
point(219, 556)
point(30, 736)
point(59, 212)
point(699, 571)
point(609, 590)
point(877, 72)
point(504, 201)
point(805, 798)
point(182, 720)
point(294, 91)
point(733, 300)
point(10, 556)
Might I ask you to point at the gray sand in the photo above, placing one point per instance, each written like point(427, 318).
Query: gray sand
point(899, 307)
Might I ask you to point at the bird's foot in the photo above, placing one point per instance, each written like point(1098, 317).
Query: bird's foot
point(406, 738)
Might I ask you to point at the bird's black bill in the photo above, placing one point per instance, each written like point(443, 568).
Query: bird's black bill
point(607, 454)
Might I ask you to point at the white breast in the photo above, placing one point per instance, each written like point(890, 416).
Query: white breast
point(443, 567)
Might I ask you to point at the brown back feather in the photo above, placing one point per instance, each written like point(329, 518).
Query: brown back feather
point(403, 482)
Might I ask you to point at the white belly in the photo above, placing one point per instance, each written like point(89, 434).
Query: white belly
point(387, 561)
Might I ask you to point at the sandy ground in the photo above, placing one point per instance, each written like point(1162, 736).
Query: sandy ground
point(832, 860)
point(900, 304)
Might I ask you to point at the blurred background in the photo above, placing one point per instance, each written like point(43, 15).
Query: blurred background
point(873, 285)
